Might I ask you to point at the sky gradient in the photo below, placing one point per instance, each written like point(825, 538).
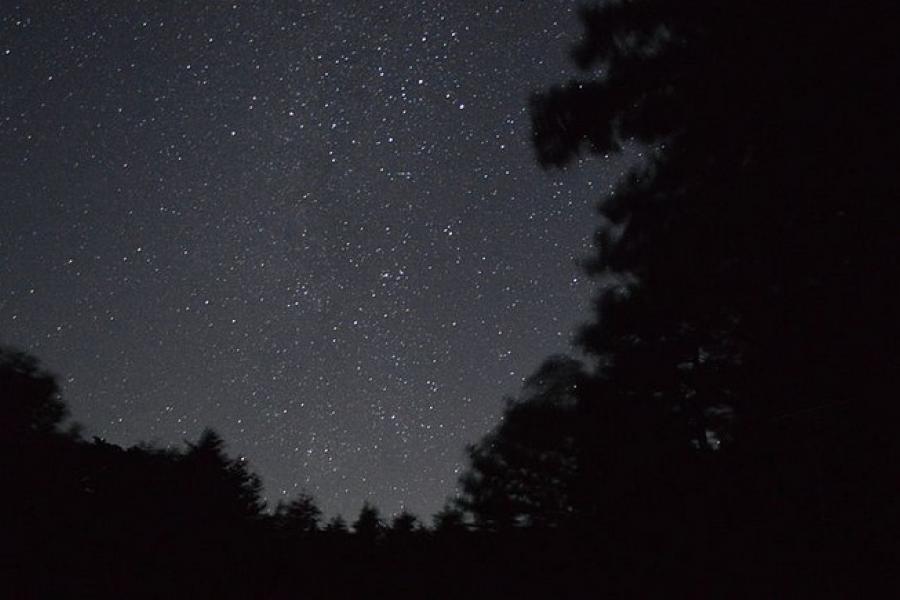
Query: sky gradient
point(319, 230)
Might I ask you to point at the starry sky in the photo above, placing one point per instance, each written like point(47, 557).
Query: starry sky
point(315, 226)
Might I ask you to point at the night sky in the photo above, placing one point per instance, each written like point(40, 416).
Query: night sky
point(317, 227)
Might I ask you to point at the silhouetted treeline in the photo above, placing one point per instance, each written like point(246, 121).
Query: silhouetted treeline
point(91, 516)
point(729, 432)
point(89, 519)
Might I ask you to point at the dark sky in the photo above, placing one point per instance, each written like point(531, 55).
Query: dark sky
point(317, 227)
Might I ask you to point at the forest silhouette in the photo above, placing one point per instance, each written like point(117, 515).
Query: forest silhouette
point(727, 431)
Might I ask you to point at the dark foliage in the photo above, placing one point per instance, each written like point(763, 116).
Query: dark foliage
point(97, 518)
point(32, 408)
point(450, 520)
point(404, 524)
point(337, 525)
point(743, 341)
point(369, 525)
point(522, 474)
point(299, 517)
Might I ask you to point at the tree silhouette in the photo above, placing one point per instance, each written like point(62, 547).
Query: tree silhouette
point(750, 232)
point(30, 404)
point(522, 473)
point(449, 520)
point(337, 525)
point(40, 464)
point(741, 367)
point(299, 517)
point(368, 525)
point(743, 363)
point(404, 524)
point(223, 488)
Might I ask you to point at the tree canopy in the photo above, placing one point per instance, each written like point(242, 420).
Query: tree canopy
point(753, 231)
point(30, 403)
point(521, 473)
point(739, 340)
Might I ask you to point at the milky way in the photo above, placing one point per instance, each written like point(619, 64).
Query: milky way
point(317, 227)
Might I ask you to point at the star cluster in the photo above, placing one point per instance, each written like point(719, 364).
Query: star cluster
point(317, 227)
